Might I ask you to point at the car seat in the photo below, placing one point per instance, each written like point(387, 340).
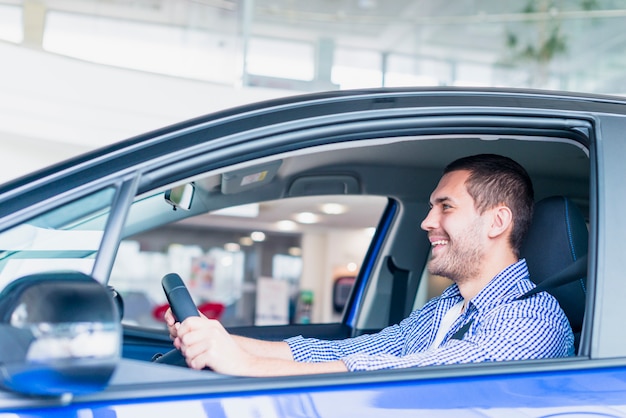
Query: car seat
point(556, 239)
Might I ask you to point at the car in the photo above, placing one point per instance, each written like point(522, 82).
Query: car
point(71, 345)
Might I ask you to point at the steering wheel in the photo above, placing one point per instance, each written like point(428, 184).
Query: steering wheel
point(182, 307)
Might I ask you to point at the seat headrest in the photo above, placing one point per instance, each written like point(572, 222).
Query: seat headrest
point(557, 237)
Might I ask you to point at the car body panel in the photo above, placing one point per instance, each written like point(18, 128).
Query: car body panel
point(163, 142)
point(609, 339)
point(597, 392)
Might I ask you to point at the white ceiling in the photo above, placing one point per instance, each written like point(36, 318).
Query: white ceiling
point(450, 35)
point(54, 107)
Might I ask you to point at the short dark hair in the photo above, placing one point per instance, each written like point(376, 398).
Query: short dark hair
point(496, 180)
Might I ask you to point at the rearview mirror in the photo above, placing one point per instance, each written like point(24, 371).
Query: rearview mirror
point(180, 197)
point(62, 335)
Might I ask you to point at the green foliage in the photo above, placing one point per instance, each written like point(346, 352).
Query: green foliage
point(589, 5)
point(547, 39)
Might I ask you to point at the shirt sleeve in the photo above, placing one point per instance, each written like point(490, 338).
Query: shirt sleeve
point(390, 341)
point(505, 334)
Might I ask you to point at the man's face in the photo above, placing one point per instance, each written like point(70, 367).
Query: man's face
point(456, 230)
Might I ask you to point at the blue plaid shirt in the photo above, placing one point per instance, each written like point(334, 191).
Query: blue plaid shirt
point(502, 328)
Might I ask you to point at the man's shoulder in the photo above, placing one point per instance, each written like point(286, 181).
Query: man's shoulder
point(541, 303)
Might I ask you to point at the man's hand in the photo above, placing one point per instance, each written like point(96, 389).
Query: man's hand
point(172, 325)
point(205, 343)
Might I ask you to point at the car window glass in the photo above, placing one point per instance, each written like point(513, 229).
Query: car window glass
point(64, 238)
point(270, 263)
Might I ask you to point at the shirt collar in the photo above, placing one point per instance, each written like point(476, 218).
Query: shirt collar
point(504, 286)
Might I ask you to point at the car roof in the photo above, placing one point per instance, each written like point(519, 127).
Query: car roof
point(348, 110)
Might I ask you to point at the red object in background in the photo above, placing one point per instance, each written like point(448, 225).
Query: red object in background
point(211, 310)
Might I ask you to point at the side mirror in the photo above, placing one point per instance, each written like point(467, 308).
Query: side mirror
point(61, 335)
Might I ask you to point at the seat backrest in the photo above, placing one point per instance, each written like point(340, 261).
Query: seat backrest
point(557, 237)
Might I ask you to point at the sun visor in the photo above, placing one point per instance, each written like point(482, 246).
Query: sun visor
point(324, 185)
point(249, 178)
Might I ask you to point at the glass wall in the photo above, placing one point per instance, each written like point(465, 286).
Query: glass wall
point(242, 268)
point(11, 28)
point(576, 45)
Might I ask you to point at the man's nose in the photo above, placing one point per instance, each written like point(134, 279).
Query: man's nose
point(430, 221)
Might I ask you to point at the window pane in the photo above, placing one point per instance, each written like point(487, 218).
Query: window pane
point(241, 267)
point(355, 68)
point(11, 28)
point(66, 238)
point(404, 70)
point(281, 58)
point(173, 50)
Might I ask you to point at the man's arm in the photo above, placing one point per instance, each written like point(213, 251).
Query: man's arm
point(517, 331)
point(276, 367)
point(259, 348)
point(267, 349)
point(205, 343)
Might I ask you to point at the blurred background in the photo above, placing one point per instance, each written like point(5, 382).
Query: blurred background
point(79, 74)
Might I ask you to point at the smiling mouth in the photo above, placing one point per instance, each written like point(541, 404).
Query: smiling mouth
point(440, 242)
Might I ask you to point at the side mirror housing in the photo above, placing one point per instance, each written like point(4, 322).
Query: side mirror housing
point(62, 335)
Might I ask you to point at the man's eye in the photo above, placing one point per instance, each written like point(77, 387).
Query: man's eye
point(446, 206)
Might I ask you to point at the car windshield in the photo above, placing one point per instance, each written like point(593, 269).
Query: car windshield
point(66, 238)
point(243, 264)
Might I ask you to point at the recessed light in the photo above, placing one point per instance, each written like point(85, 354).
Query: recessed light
point(333, 208)
point(257, 236)
point(246, 241)
point(286, 225)
point(307, 218)
point(232, 247)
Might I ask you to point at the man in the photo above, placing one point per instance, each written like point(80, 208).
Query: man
point(480, 212)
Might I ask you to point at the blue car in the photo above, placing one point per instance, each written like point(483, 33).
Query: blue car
point(82, 255)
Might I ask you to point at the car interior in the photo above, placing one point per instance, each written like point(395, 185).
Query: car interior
point(403, 170)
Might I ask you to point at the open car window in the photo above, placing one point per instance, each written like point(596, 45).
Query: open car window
point(246, 271)
point(277, 262)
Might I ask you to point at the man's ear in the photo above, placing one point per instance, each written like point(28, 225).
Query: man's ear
point(502, 220)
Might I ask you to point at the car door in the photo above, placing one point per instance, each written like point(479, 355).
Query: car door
point(393, 144)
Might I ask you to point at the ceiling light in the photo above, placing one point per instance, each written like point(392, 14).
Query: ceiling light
point(295, 251)
point(307, 218)
point(232, 247)
point(333, 208)
point(257, 236)
point(352, 267)
point(286, 225)
point(246, 241)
